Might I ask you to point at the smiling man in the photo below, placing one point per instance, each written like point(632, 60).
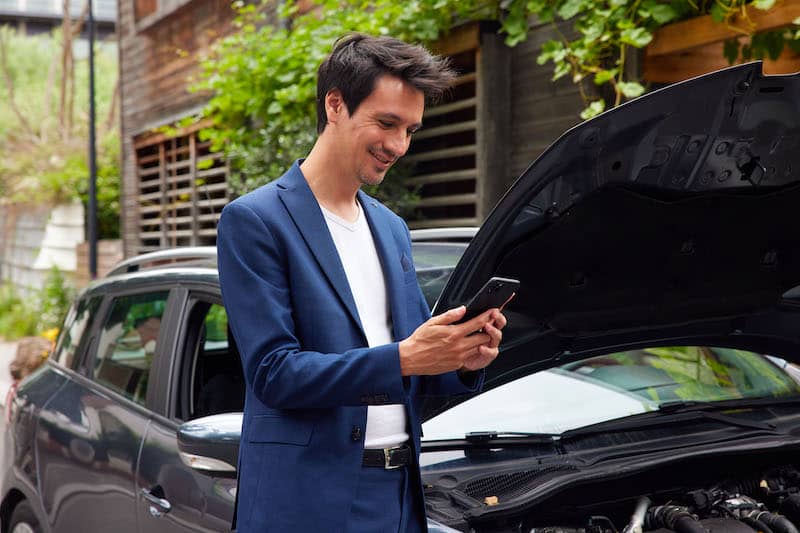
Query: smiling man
point(336, 340)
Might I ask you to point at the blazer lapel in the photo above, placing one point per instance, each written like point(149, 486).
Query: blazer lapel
point(302, 206)
point(390, 260)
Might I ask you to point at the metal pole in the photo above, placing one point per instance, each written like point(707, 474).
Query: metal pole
point(92, 218)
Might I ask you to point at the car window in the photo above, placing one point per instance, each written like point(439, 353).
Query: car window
point(75, 325)
point(128, 342)
point(434, 262)
point(613, 386)
point(213, 381)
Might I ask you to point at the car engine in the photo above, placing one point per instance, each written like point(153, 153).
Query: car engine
point(720, 509)
point(666, 499)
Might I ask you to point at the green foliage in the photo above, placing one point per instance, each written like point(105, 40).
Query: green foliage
point(769, 44)
point(263, 77)
point(54, 299)
point(22, 316)
point(216, 323)
point(45, 160)
point(605, 29)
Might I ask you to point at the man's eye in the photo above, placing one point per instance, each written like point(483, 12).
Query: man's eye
point(386, 124)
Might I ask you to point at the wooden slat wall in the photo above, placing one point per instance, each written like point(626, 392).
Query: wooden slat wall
point(541, 109)
point(444, 151)
point(179, 203)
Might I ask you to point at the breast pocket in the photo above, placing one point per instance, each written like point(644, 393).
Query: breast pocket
point(280, 430)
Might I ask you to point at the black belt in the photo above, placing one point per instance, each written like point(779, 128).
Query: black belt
point(389, 458)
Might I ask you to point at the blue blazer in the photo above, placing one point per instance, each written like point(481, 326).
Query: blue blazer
point(310, 375)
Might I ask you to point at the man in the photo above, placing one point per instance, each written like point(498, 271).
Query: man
point(336, 339)
point(148, 327)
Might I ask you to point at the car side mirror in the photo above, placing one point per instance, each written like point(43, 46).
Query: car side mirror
point(210, 445)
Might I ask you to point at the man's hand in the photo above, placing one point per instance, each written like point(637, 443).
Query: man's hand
point(488, 352)
point(439, 346)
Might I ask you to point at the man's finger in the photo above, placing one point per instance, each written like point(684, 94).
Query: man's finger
point(489, 353)
point(449, 316)
point(473, 341)
point(494, 334)
point(499, 320)
point(476, 323)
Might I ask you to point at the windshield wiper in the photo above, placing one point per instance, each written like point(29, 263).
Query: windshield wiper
point(480, 437)
point(489, 439)
point(685, 406)
point(676, 412)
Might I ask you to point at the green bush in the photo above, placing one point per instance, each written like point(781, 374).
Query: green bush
point(22, 316)
point(17, 314)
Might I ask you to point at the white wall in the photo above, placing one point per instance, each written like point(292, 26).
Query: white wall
point(36, 238)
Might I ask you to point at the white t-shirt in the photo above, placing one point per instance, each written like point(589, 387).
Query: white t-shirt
point(386, 424)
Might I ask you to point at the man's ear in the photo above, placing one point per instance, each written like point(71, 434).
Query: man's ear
point(335, 107)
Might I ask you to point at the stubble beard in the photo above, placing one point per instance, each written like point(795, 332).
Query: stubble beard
point(372, 179)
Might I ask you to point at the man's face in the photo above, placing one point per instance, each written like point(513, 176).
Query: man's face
point(379, 132)
point(148, 330)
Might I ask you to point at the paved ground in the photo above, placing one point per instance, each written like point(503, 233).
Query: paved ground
point(7, 352)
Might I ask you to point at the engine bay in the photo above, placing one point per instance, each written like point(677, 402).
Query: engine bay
point(751, 492)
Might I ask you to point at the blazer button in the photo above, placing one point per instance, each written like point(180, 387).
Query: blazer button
point(355, 434)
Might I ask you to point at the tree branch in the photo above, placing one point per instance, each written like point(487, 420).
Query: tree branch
point(112, 108)
point(77, 28)
point(66, 52)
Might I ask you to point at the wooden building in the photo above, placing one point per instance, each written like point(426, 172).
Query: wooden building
point(504, 111)
point(167, 198)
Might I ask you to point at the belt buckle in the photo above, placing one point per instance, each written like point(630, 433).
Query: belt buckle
point(387, 457)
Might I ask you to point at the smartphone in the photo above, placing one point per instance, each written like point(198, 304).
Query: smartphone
point(495, 293)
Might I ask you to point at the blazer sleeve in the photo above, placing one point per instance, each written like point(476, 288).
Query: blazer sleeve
point(450, 383)
point(255, 290)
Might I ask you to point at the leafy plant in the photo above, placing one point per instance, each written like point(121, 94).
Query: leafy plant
point(35, 313)
point(769, 44)
point(606, 31)
point(54, 300)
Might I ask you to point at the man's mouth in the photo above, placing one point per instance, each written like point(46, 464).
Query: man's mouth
point(383, 160)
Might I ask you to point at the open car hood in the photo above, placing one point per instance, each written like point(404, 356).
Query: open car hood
point(670, 219)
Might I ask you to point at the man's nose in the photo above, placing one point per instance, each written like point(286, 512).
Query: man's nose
point(397, 144)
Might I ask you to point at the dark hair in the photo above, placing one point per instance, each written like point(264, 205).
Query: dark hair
point(358, 60)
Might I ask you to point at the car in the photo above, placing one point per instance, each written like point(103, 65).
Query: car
point(646, 380)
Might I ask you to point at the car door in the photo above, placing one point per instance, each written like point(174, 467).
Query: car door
point(205, 378)
point(91, 430)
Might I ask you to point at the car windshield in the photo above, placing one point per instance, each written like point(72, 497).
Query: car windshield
point(615, 385)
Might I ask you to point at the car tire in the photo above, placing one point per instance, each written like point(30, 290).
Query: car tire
point(23, 520)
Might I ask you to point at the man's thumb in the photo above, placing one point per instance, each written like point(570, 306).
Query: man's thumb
point(449, 316)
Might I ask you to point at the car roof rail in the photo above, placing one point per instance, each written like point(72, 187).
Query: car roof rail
point(443, 234)
point(164, 257)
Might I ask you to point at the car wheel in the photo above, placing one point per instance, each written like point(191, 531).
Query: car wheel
point(23, 520)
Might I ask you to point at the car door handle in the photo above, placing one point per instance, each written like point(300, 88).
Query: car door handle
point(158, 506)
